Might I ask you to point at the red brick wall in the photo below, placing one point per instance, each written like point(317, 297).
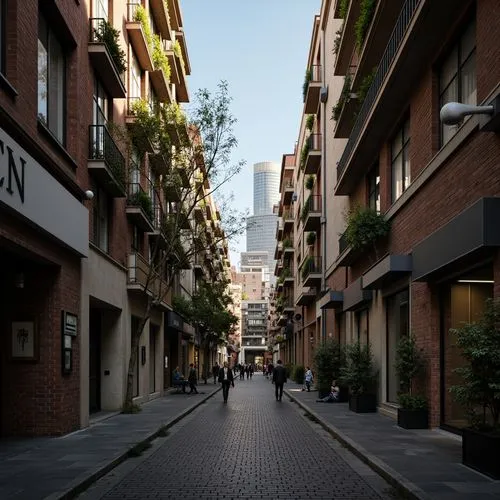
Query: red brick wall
point(35, 398)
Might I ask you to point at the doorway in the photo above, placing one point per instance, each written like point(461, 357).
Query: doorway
point(95, 330)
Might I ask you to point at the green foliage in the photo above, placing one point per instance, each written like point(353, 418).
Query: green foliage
point(289, 367)
point(307, 266)
point(412, 401)
point(344, 7)
point(141, 199)
point(178, 53)
point(160, 59)
point(108, 35)
point(364, 226)
point(409, 364)
point(344, 98)
point(287, 243)
point(479, 342)
point(298, 374)
point(336, 40)
point(141, 16)
point(311, 238)
point(304, 212)
point(310, 182)
point(358, 372)
point(174, 114)
point(367, 9)
point(310, 122)
point(329, 358)
point(365, 85)
point(307, 78)
point(303, 155)
point(279, 338)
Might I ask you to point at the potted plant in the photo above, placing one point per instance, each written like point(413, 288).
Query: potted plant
point(359, 374)
point(310, 182)
point(479, 392)
point(329, 359)
point(413, 413)
point(311, 238)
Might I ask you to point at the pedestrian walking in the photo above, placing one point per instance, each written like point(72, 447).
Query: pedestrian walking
point(192, 379)
point(279, 379)
point(226, 379)
point(308, 379)
point(215, 371)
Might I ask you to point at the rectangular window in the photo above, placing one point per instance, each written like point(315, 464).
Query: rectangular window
point(100, 9)
point(101, 220)
point(100, 104)
point(400, 161)
point(374, 189)
point(51, 81)
point(457, 77)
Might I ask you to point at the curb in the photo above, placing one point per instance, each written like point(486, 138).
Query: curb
point(83, 484)
point(399, 482)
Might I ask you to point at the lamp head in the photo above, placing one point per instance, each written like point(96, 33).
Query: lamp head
point(453, 113)
point(89, 194)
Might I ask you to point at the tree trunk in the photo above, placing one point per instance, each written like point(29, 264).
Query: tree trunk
point(135, 338)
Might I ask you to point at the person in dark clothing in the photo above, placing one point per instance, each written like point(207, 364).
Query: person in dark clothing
point(279, 379)
point(226, 379)
point(192, 379)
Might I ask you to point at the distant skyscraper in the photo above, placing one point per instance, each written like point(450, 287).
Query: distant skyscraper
point(261, 227)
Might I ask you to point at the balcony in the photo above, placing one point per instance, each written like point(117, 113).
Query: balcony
point(137, 38)
point(311, 213)
point(347, 44)
point(287, 276)
point(288, 305)
point(161, 86)
point(311, 101)
point(135, 107)
point(199, 214)
point(279, 229)
point(141, 278)
point(172, 190)
point(313, 158)
point(159, 163)
point(158, 237)
point(106, 164)
point(306, 296)
point(288, 190)
point(175, 14)
point(414, 41)
point(139, 207)
point(311, 271)
point(179, 218)
point(159, 10)
point(288, 220)
point(278, 250)
point(102, 61)
point(288, 248)
point(278, 267)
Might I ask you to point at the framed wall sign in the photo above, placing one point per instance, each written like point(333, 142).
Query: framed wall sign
point(24, 340)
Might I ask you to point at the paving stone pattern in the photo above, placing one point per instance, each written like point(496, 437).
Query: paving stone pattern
point(252, 447)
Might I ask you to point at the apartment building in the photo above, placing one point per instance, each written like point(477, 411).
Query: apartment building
point(86, 203)
point(254, 331)
point(437, 185)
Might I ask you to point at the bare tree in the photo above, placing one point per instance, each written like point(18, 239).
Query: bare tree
point(194, 158)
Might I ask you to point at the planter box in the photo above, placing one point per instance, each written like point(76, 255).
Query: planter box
point(413, 419)
point(480, 451)
point(363, 403)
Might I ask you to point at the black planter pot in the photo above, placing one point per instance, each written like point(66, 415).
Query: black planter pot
point(363, 403)
point(343, 394)
point(413, 419)
point(480, 451)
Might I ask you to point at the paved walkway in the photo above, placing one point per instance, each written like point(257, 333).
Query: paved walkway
point(426, 463)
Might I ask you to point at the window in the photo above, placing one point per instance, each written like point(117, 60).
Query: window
point(100, 9)
point(374, 189)
point(457, 77)
point(400, 161)
point(100, 104)
point(51, 81)
point(101, 220)
point(134, 90)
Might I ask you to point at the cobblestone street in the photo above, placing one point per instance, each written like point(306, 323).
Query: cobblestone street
point(253, 447)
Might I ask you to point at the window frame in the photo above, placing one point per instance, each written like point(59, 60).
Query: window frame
point(373, 188)
point(402, 153)
point(100, 194)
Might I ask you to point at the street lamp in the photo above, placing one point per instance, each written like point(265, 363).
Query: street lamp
point(453, 113)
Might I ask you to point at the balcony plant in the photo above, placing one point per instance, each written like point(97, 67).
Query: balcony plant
point(310, 182)
point(176, 47)
point(299, 374)
point(307, 78)
point(108, 35)
point(307, 267)
point(364, 86)
point(479, 390)
point(141, 199)
point(336, 40)
point(367, 9)
point(343, 8)
point(344, 98)
point(311, 238)
point(303, 155)
point(141, 16)
point(328, 362)
point(305, 211)
point(310, 122)
point(409, 366)
point(287, 243)
point(364, 227)
point(160, 59)
point(359, 374)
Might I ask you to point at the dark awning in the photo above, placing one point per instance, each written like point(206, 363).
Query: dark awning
point(388, 269)
point(355, 296)
point(333, 299)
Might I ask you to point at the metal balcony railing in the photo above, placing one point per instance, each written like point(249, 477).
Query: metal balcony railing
point(315, 73)
point(287, 214)
point(314, 142)
point(103, 147)
point(137, 197)
point(391, 50)
point(131, 11)
point(312, 265)
point(288, 184)
point(313, 203)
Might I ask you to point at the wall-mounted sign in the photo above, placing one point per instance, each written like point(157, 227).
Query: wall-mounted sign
point(70, 324)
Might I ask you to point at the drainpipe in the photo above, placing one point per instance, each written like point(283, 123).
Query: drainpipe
point(323, 187)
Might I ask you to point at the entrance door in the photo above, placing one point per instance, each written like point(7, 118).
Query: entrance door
point(94, 361)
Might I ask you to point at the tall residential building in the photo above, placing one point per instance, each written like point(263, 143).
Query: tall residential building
point(261, 225)
point(438, 260)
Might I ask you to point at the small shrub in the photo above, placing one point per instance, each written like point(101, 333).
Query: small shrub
point(310, 122)
point(344, 98)
point(108, 35)
point(364, 226)
point(160, 59)
point(299, 374)
point(359, 373)
point(303, 155)
point(367, 9)
point(310, 182)
point(141, 16)
point(305, 85)
point(329, 358)
point(311, 238)
point(344, 7)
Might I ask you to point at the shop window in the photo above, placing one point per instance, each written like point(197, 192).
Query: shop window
point(101, 220)
point(51, 81)
point(457, 77)
point(400, 161)
point(373, 181)
point(398, 321)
